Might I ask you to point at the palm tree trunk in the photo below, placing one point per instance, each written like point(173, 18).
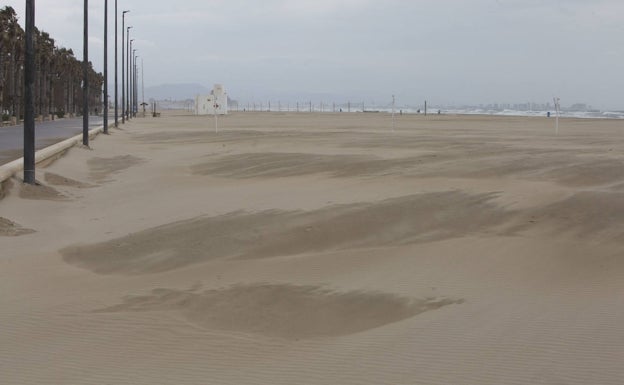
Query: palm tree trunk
point(2, 77)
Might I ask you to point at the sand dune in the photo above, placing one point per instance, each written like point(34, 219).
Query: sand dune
point(599, 172)
point(411, 219)
point(319, 249)
point(286, 311)
point(591, 215)
point(103, 168)
point(292, 164)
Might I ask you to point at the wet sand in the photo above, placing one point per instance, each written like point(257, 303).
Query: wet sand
point(320, 249)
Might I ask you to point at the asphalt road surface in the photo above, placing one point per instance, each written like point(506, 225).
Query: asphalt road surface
point(46, 134)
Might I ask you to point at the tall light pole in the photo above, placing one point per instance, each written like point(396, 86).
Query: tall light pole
point(116, 96)
point(129, 49)
point(133, 83)
point(106, 66)
point(143, 86)
point(29, 100)
point(136, 86)
point(85, 75)
point(134, 66)
point(123, 100)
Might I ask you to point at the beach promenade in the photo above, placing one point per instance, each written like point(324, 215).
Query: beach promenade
point(309, 248)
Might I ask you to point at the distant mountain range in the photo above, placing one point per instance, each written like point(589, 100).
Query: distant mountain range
point(180, 91)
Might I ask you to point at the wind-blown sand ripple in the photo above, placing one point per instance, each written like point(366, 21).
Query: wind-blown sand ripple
point(588, 173)
point(292, 164)
point(59, 180)
point(399, 221)
point(103, 168)
point(238, 136)
point(285, 311)
point(591, 215)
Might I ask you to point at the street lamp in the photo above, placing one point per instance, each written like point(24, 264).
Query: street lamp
point(116, 96)
point(143, 86)
point(106, 66)
point(85, 80)
point(123, 29)
point(132, 93)
point(136, 87)
point(29, 99)
point(129, 48)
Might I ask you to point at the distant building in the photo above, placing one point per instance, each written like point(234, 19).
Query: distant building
point(215, 103)
point(579, 107)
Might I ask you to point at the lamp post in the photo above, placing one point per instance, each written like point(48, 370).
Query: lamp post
point(129, 48)
point(136, 86)
point(116, 96)
point(29, 100)
point(106, 66)
point(123, 100)
point(133, 85)
point(143, 87)
point(85, 80)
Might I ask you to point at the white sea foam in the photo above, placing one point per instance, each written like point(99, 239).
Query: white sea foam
point(432, 109)
point(505, 112)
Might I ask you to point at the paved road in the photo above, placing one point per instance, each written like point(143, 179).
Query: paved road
point(46, 133)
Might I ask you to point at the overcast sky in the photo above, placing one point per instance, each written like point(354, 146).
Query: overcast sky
point(446, 51)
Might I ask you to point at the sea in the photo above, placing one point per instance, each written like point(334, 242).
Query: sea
point(359, 107)
point(593, 114)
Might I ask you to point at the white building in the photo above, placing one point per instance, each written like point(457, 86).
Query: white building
point(215, 103)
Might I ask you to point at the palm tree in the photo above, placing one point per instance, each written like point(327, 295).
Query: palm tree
point(9, 29)
point(61, 89)
point(97, 96)
point(46, 50)
point(16, 72)
point(67, 68)
point(59, 73)
point(76, 90)
point(96, 81)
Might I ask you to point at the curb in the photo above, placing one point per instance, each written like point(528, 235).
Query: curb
point(9, 169)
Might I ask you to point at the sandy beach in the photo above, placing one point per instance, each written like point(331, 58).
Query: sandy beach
point(302, 248)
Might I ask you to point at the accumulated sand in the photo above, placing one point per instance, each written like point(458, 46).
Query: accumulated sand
point(320, 249)
point(39, 191)
point(59, 180)
point(9, 228)
point(410, 219)
point(286, 311)
point(103, 168)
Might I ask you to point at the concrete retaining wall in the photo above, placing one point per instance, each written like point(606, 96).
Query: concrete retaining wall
point(9, 169)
